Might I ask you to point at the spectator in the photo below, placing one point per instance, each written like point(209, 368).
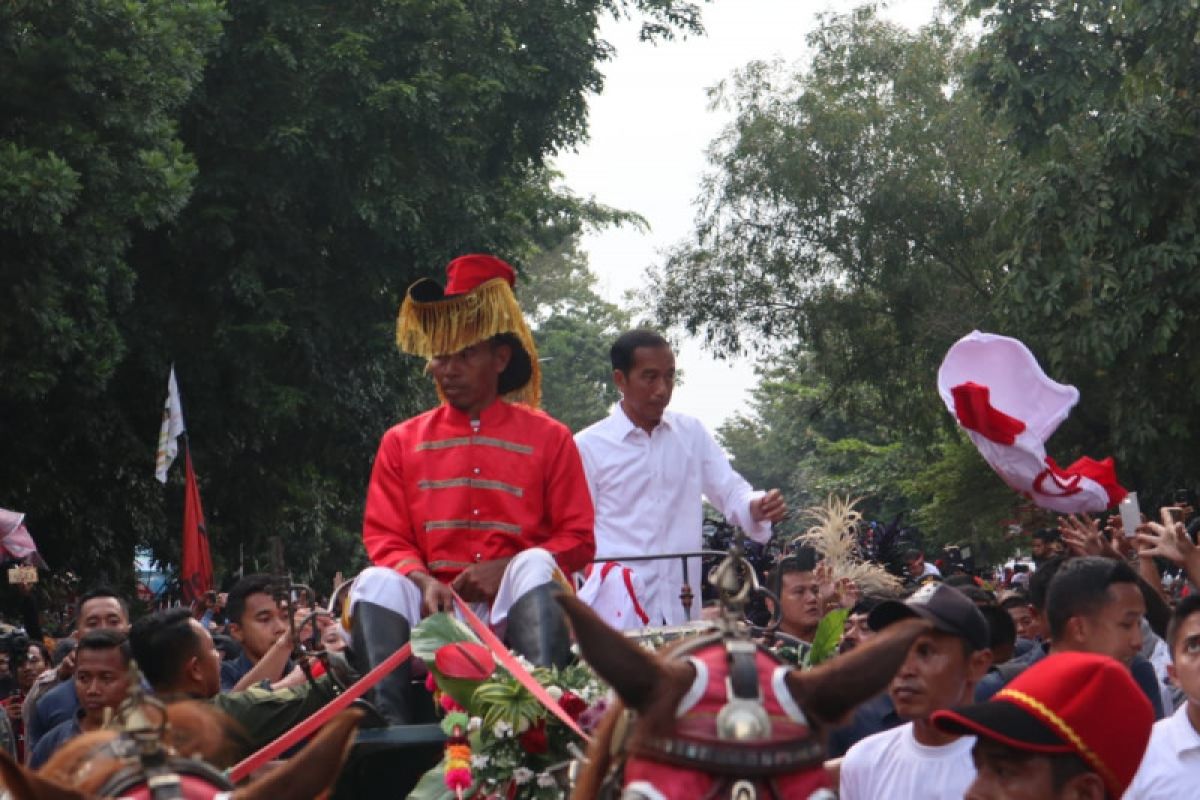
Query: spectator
point(917, 567)
point(1093, 605)
point(36, 659)
point(794, 582)
point(1171, 766)
point(1046, 544)
point(260, 627)
point(1072, 726)
point(52, 700)
point(1024, 616)
point(856, 631)
point(101, 681)
point(917, 760)
point(1002, 637)
point(178, 659)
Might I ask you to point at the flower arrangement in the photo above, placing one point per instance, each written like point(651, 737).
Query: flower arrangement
point(501, 741)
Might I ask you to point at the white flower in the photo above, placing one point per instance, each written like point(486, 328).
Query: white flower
point(546, 780)
point(479, 760)
point(502, 730)
point(522, 775)
point(474, 723)
point(523, 725)
point(554, 692)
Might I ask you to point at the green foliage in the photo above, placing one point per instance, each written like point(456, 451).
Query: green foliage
point(436, 631)
point(827, 637)
point(907, 187)
point(246, 191)
point(574, 328)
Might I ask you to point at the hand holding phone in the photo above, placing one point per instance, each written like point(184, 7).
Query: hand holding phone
point(1131, 515)
point(1171, 515)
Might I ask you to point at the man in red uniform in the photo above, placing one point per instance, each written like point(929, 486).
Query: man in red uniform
point(484, 494)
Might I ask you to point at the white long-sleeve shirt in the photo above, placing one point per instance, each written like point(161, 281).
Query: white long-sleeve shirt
point(647, 490)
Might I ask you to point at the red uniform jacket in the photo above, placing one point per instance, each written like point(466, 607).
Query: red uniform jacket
point(445, 494)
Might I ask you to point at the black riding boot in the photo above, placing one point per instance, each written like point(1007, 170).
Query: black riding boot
point(537, 627)
point(375, 633)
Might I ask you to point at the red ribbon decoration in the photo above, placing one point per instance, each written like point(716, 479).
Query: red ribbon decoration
point(309, 726)
point(510, 663)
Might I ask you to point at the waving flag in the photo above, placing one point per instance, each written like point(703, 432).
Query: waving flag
point(15, 541)
point(999, 394)
point(196, 573)
point(172, 427)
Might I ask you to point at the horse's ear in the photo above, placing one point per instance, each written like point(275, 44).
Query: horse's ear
point(633, 672)
point(23, 784)
point(831, 691)
point(311, 772)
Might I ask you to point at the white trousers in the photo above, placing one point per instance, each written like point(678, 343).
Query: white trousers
point(385, 587)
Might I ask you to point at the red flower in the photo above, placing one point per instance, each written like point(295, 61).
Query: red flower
point(533, 741)
point(573, 704)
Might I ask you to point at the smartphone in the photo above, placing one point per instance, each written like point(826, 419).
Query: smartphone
point(1171, 515)
point(1131, 515)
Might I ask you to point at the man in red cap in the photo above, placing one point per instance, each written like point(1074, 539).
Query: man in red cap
point(1072, 726)
point(483, 496)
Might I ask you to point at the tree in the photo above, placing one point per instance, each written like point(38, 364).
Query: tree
point(1100, 103)
point(851, 212)
point(257, 223)
point(90, 152)
point(574, 328)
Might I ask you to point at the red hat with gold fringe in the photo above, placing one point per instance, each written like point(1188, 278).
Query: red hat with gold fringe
point(1084, 704)
point(476, 304)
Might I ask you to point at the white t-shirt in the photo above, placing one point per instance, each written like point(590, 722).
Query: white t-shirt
point(1170, 769)
point(895, 766)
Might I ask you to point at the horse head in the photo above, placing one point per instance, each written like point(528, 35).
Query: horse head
point(193, 745)
point(720, 717)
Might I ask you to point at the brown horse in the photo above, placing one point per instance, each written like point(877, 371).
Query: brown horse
point(198, 741)
point(695, 735)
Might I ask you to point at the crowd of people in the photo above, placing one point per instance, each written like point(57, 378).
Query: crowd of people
point(1038, 682)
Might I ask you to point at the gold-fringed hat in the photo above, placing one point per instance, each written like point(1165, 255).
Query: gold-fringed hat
point(476, 304)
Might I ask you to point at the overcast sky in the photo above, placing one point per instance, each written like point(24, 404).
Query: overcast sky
point(650, 128)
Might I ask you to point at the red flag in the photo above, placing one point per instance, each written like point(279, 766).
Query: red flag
point(196, 575)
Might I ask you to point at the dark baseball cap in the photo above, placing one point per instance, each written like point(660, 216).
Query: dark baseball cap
point(947, 608)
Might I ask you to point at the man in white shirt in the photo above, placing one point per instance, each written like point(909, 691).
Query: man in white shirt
point(648, 467)
point(1171, 767)
point(917, 760)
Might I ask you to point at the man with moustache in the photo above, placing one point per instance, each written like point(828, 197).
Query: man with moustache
point(916, 760)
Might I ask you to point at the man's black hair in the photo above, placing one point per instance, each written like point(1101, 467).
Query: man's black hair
point(162, 643)
point(1047, 535)
point(976, 594)
point(1015, 600)
point(235, 606)
point(1187, 606)
point(98, 592)
point(622, 351)
point(866, 604)
point(1039, 581)
point(1001, 629)
point(1081, 589)
point(63, 648)
point(801, 560)
point(106, 639)
point(912, 554)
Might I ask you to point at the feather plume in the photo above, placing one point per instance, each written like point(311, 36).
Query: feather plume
point(834, 537)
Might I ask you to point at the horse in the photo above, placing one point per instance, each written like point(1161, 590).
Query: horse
point(179, 759)
point(719, 716)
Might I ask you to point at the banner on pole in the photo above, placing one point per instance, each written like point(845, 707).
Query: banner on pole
point(172, 427)
point(196, 572)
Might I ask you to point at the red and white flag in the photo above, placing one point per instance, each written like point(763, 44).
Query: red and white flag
point(995, 388)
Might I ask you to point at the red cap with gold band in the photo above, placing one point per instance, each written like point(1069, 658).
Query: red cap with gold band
point(1079, 703)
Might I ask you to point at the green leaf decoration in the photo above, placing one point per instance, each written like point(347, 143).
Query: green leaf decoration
point(437, 631)
point(829, 633)
point(432, 785)
point(455, 719)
